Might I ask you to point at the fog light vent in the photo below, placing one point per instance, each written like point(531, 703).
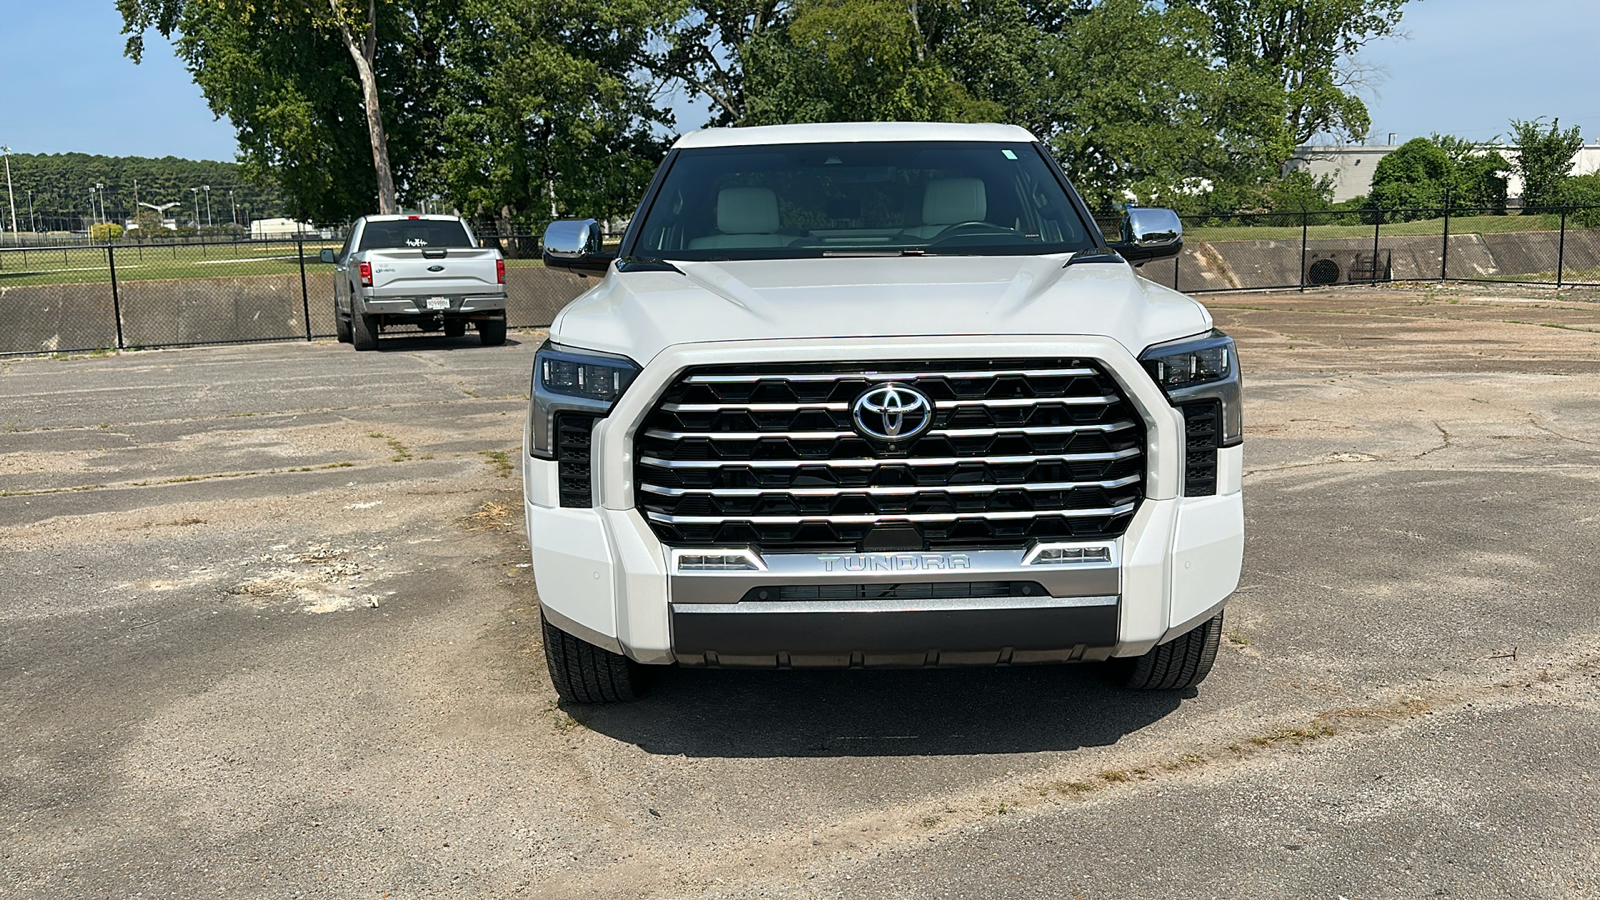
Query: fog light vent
point(717, 561)
point(1055, 555)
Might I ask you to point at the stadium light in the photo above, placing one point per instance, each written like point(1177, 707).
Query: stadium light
point(11, 197)
point(207, 189)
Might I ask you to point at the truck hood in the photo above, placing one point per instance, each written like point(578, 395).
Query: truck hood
point(638, 314)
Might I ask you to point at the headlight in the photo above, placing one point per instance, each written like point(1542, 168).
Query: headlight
point(579, 381)
point(1200, 368)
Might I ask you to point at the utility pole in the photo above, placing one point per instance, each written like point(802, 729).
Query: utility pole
point(10, 197)
point(207, 189)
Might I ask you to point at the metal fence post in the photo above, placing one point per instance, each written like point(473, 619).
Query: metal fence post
point(1444, 255)
point(116, 300)
point(305, 296)
point(1377, 229)
point(1305, 230)
point(1561, 249)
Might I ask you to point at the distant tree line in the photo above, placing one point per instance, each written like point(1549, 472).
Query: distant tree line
point(55, 192)
point(521, 110)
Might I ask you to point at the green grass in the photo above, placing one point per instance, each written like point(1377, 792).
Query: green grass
point(1458, 225)
point(87, 265)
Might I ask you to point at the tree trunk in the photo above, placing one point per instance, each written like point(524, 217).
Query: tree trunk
point(364, 53)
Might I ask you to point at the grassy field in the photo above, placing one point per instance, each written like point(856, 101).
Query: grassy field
point(1425, 227)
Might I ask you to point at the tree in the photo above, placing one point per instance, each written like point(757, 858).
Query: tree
point(354, 23)
point(1307, 47)
point(1544, 159)
point(1479, 174)
point(1412, 180)
point(547, 113)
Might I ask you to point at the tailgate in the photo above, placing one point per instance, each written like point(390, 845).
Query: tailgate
point(443, 272)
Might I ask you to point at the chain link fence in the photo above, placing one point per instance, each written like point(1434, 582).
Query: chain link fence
point(72, 298)
point(1559, 246)
point(75, 297)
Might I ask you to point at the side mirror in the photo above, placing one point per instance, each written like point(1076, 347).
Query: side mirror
point(574, 245)
point(1149, 234)
point(327, 256)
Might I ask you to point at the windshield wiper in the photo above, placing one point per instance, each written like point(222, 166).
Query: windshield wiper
point(646, 264)
point(907, 251)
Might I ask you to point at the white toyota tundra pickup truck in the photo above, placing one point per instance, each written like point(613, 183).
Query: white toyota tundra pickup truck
point(878, 395)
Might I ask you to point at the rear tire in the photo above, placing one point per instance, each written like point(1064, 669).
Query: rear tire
point(1175, 665)
point(341, 326)
point(492, 332)
point(363, 330)
point(455, 327)
point(584, 673)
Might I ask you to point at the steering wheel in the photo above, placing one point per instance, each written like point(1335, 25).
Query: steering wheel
point(970, 227)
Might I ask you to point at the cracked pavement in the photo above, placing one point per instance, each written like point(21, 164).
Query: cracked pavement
point(270, 629)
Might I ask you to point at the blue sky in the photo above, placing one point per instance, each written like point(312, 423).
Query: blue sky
point(1467, 67)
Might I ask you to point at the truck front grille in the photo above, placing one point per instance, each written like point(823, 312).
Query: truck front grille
point(1017, 450)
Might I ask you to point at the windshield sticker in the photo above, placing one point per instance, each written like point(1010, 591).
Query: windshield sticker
point(1009, 154)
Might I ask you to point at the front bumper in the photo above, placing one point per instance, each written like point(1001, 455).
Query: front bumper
point(605, 577)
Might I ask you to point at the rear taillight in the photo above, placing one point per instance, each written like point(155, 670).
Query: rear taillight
point(500, 270)
point(366, 274)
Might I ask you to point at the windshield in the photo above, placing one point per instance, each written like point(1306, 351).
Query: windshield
point(414, 233)
point(806, 200)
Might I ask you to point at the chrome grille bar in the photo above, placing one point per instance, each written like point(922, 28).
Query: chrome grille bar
point(1110, 456)
point(1002, 403)
point(1105, 428)
point(1122, 509)
point(886, 376)
point(891, 491)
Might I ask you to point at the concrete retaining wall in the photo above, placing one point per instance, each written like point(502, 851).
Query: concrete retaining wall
point(176, 312)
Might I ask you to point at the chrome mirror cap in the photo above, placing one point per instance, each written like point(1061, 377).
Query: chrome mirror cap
point(1150, 228)
point(570, 239)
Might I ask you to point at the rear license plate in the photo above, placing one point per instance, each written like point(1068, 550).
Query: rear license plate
point(438, 302)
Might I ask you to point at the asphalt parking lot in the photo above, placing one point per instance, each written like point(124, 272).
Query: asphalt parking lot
point(269, 630)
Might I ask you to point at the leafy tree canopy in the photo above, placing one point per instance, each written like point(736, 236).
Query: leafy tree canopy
point(60, 184)
point(1544, 159)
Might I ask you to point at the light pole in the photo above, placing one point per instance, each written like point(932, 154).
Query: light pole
point(207, 189)
point(33, 223)
point(9, 195)
point(196, 193)
point(94, 217)
point(99, 190)
point(235, 205)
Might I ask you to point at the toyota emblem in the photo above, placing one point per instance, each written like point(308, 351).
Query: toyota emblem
point(892, 412)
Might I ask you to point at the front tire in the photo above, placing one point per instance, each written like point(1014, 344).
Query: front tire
point(492, 332)
point(363, 330)
point(1175, 665)
point(584, 673)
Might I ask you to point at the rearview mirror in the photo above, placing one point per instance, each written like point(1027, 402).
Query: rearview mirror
point(1148, 234)
point(327, 256)
point(575, 245)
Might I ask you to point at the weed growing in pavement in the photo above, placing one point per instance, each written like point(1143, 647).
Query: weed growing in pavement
point(401, 452)
point(500, 460)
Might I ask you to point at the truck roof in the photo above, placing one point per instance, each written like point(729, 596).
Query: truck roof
point(832, 132)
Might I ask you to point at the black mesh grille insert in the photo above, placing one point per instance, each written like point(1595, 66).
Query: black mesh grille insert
point(1018, 450)
point(952, 590)
point(575, 458)
point(1202, 432)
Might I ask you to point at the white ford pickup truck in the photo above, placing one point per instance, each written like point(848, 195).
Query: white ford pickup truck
point(424, 271)
point(878, 395)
